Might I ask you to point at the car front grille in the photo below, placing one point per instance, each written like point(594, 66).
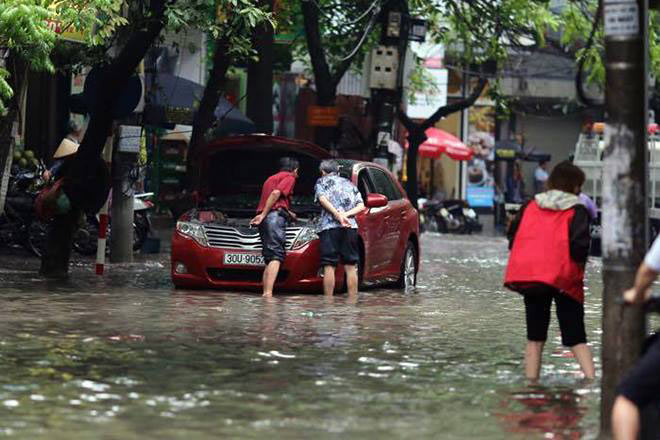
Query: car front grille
point(244, 275)
point(244, 238)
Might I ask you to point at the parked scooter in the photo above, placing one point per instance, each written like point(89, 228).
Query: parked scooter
point(86, 238)
point(448, 216)
point(19, 225)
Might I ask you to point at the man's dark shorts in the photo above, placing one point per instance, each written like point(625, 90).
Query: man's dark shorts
point(339, 245)
point(642, 385)
point(272, 231)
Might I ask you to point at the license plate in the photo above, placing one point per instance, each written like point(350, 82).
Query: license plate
point(243, 259)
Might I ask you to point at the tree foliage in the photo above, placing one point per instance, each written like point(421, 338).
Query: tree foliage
point(28, 30)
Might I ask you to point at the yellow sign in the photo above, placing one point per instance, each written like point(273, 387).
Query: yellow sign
point(68, 33)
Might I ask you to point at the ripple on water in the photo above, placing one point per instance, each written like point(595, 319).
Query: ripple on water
point(127, 354)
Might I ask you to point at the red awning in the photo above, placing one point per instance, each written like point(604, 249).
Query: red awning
point(439, 142)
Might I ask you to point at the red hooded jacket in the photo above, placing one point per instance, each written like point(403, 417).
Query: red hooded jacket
point(549, 245)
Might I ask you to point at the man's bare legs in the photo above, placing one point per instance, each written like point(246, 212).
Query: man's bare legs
point(328, 280)
point(270, 275)
point(351, 279)
point(625, 419)
point(583, 356)
point(533, 354)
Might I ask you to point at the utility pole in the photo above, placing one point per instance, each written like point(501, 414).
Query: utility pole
point(625, 181)
point(124, 160)
point(387, 73)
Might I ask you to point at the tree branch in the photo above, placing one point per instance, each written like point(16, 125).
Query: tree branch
point(456, 106)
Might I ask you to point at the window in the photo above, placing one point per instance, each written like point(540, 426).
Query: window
point(383, 184)
point(364, 186)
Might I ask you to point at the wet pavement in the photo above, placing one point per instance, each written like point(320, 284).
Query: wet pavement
point(127, 356)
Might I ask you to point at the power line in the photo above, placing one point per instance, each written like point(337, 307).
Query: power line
point(367, 31)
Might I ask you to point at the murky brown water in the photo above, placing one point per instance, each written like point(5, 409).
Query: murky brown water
point(127, 356)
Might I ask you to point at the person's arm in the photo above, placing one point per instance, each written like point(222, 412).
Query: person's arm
point(579, 235)
point(359, 204)
point(646, 275)
point(339, 216)
point(641, 291)
point(355, 211)
point(513, 227)
point(272, 198)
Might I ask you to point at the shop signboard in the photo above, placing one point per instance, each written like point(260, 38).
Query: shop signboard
point(480, 191)
point(318, 116)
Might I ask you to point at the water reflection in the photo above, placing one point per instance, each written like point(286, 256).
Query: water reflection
point(554, 412)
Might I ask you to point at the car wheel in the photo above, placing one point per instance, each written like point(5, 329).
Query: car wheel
point(408, 275)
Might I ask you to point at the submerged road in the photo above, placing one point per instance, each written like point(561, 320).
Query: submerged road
point(127, 356)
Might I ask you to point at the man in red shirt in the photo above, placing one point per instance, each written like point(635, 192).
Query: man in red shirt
point(273, 214)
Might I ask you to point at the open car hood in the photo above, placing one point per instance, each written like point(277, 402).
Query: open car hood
point(232, 170)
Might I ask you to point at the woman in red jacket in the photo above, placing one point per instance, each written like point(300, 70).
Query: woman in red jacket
point(549, 242)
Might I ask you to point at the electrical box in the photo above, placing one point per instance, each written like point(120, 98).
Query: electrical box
point(384, 68)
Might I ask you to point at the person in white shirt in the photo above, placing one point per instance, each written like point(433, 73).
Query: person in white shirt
point(641, 385)
point(540, 176)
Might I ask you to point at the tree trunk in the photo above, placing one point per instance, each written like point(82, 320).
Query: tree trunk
point(205, 115)
point(260, 77)
point(416, 137)
point(82, 184)
point(6, 152)
point(17, 82)
point(55, 261)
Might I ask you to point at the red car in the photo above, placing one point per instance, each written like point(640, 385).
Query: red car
point(214, 246)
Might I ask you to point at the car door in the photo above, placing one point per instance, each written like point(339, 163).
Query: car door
point(373, 227)
point(389, 234)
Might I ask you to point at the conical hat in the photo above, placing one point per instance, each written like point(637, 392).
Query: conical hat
point(66, 148)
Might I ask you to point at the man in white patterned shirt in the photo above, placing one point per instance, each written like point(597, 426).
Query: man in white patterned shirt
point(341, 201)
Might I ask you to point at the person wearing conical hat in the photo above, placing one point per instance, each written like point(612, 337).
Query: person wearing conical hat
point(66, 150)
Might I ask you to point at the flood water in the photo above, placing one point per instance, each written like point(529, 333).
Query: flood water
point(127, 356)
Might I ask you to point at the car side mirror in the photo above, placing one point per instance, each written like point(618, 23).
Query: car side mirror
point(375, 200)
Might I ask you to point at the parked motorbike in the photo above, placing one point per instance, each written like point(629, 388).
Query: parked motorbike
point(86, 238)
point(448, 216)
point(19, 225)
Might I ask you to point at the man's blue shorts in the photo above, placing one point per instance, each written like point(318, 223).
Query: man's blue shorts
point(272, 231)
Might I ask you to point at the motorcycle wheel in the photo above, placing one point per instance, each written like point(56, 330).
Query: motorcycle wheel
point(37, 237)
point(85, 240)
point(432, 224)
point(442, 225)
point(140, 230)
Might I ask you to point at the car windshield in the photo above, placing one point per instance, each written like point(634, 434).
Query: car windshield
point(235, 177)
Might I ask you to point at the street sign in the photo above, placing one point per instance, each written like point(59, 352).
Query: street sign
point(129, 138)
point(318, 116)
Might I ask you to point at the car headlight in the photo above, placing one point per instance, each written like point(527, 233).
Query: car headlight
point(194, 231)
point(469, 212)
point(444, 212)
point(305, 236)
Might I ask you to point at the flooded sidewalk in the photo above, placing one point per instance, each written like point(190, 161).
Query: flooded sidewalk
point(126, 356)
